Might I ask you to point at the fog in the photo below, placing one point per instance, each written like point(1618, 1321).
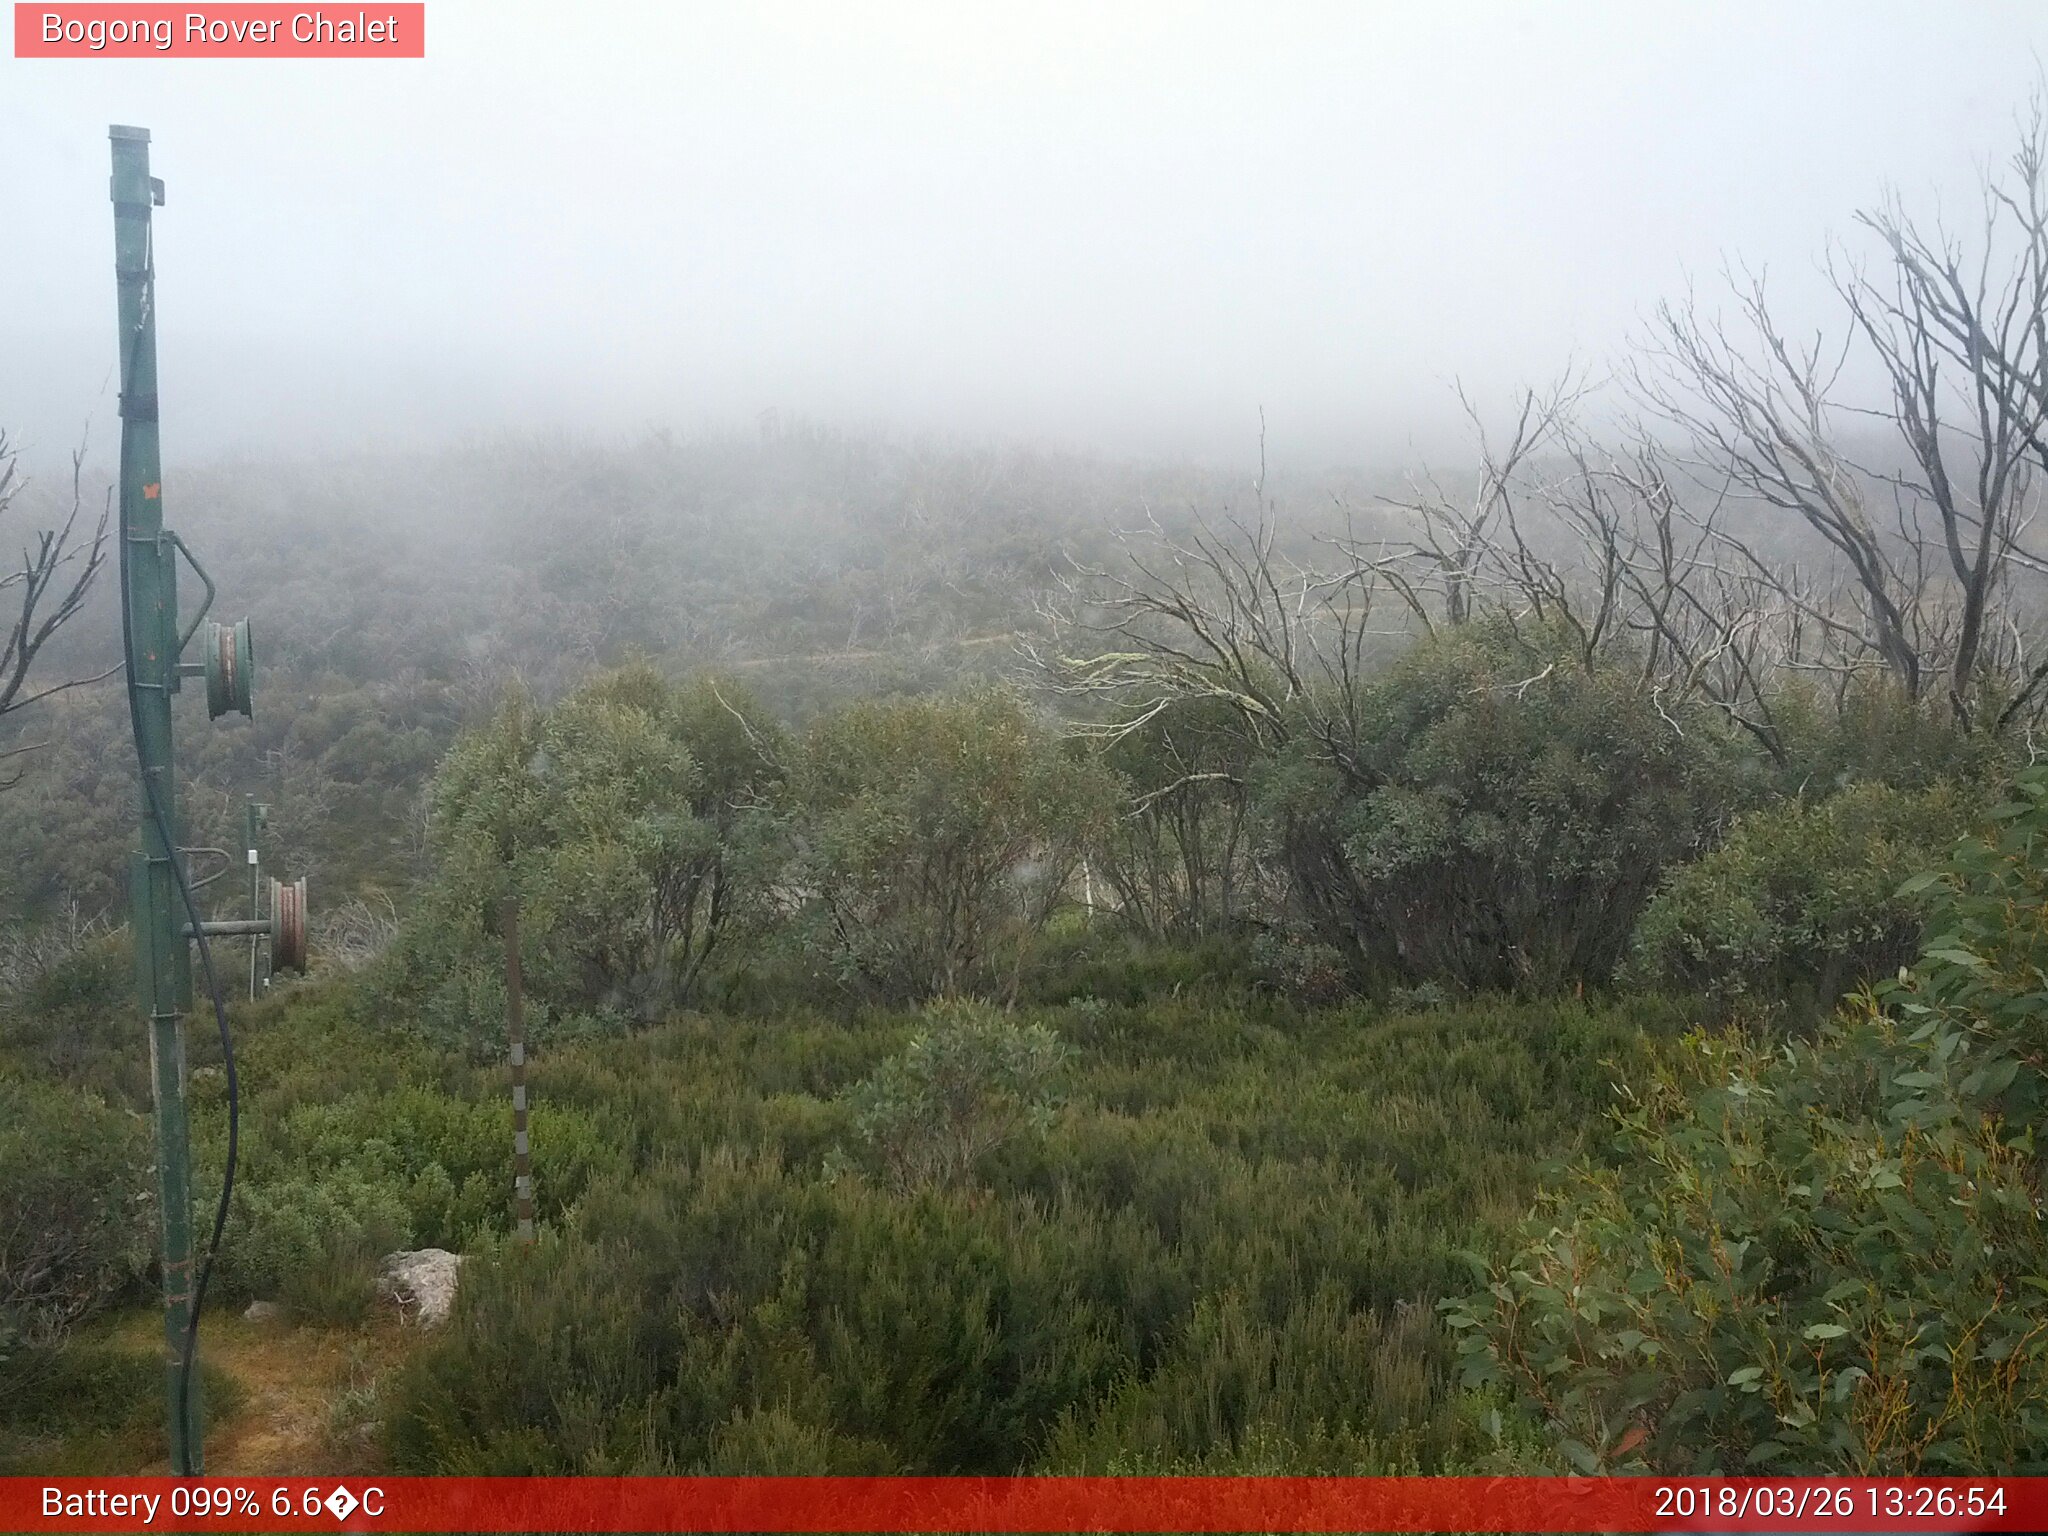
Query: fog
point(1124, 228)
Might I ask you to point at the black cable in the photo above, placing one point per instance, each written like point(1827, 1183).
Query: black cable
point(189, 1353)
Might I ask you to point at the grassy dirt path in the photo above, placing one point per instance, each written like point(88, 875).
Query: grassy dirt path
point(308, 1396)
point(285, 1399)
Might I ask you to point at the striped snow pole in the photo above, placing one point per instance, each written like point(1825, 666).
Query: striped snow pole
point(515, 1026)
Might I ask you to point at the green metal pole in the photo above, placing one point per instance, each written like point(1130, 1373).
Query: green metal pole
point(152, 618)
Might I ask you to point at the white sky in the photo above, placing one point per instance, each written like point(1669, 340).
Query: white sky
point(1121, 226)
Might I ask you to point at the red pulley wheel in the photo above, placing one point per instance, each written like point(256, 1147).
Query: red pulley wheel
point(288, 926)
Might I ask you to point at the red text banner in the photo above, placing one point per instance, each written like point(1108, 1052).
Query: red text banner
point(1023, 1504)
point(235, 31)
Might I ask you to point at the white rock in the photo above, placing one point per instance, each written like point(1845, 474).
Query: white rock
point(422, 1282)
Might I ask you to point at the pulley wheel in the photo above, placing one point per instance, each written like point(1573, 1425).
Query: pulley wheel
point(288, 926)
point(230, 668)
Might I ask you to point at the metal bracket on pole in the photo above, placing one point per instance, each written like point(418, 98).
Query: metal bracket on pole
point(205, 580)
point(285, 927)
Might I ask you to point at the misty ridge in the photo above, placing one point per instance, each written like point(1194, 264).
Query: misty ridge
point(546, 555)
point(407, 591)
point(1732, 505)
point(540, 558)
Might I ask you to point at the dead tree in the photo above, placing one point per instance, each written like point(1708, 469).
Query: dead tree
point(1217, 624)
point(1942, 580)
point(1641, 577)
point(1964, 340)
point(1442, 573)
point(45, 591)
point(1218, 616)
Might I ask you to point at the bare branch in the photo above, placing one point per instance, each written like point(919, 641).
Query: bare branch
point(55, 576)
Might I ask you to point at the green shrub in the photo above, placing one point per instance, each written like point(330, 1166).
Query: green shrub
point(1499, 815)
point(75, 1020)
point(963, 1087)
point(312, 1244)
point(447, 1159)
point(890, 1336)
point(1977, 990)
point(1869, 732)
point(1180, 862)
point(95, 1405)
point(935, 839)
point(1301, 968)
point(1233, 1230)
point(325, 1190)
point(1327, 1388)
point(76, 1204)
point(1826, 1257)
point(1801, 901)
point(1106, 963)
point(358, 1140)
point(631, 820)
point(1423, 997)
